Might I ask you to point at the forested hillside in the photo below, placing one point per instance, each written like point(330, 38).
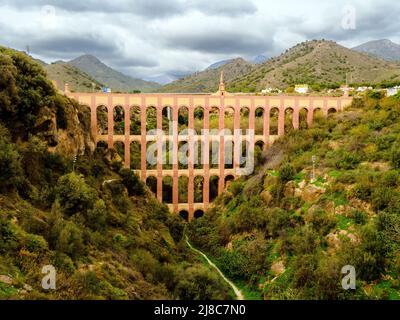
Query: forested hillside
point(283, 235)
point(96, 223)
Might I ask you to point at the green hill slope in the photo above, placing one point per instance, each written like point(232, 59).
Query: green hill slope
point(100, 228)
point(79, 81)
point(110, 77)
point(208, 80)
point(284, 235)
point(316, 62)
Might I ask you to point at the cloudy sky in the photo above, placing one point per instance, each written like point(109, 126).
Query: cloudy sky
point(150, 38)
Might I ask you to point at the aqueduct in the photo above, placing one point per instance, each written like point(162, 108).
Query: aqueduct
point(257, 108)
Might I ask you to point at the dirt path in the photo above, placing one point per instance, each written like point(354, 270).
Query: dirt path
point(239, 295)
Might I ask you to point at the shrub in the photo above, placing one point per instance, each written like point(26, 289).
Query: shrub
point(132, 182)
point(8, 236)
point(70, 240)
point(199, 283)
point(36, 243)
point(74, 194)
point(11, 174)
point(395, 156)
point(97, 216)
point(286, 173)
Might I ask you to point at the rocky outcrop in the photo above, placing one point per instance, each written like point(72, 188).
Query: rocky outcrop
point(65, 128)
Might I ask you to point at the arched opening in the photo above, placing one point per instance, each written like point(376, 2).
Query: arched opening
point(259, 121)
point(151, 155)
point(229, 147)
point(273, 121)
point(259, 149)
point(303, 118)
point(214, 154)
point(289, 120)
point(119, 120)
point(135, 116)
point(229, 117)
point(136, 158)
point(214, 182)
point(183, 155)
point(101, 147)
point(151, 120)
point(198, 119)
point(183, 118)
point(184, 215)
point(102, 120)
point(331, 112)
point(119, 146)
point(183, 182)
point(166, 119)
point(167, 155)
point(198, 214)
point(214, 118)
point(167, 189)
point(151, 183)
point(318, 115)
point(228, 180)
point(245, 153)
point(198, 189)
point(198, 154)
point(244, 119)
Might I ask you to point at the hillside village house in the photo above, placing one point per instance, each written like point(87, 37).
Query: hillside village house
point(271, 90)
point(392, 91)
point(301, 88)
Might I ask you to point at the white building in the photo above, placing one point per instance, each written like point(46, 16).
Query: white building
point(363, 89)
point(392, 91)
point(271, 90)
point(301, 88)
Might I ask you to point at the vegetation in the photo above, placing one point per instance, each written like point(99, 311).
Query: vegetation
point(96, 223)
point(287, 236)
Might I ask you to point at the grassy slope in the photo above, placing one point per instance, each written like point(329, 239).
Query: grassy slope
point(348, 216)
point(106, 240)
point(319, 62)
point(78, 81)
point(208, 80)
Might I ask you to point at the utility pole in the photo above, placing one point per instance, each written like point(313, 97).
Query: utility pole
point(73, 163)
point(313, 159)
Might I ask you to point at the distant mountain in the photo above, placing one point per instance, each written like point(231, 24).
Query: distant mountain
point(62, 72)
point(259, 59)
point(218, 64)
point(208, 80)
point(167, 77)
point(116, 80)
point(317, 61)
point(384, 49)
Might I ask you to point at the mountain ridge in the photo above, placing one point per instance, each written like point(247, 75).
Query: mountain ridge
point(382, 48)
point(116, 80)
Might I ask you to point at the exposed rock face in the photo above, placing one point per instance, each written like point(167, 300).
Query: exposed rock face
point(312, 193)
point(278, 267)
point(67, 131)
point(6, 279)
point(290, 188)
point(266, 197)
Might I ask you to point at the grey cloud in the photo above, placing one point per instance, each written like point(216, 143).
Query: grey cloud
point(73, 46)
point(231, 42)
point(146, 8)
point(227, 8)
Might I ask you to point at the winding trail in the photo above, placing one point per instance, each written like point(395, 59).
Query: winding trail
point(239, 295)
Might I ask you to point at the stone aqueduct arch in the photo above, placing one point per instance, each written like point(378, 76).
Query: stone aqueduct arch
point(222, 100)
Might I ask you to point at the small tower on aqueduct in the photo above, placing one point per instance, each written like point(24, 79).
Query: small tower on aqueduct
point(221, 90)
